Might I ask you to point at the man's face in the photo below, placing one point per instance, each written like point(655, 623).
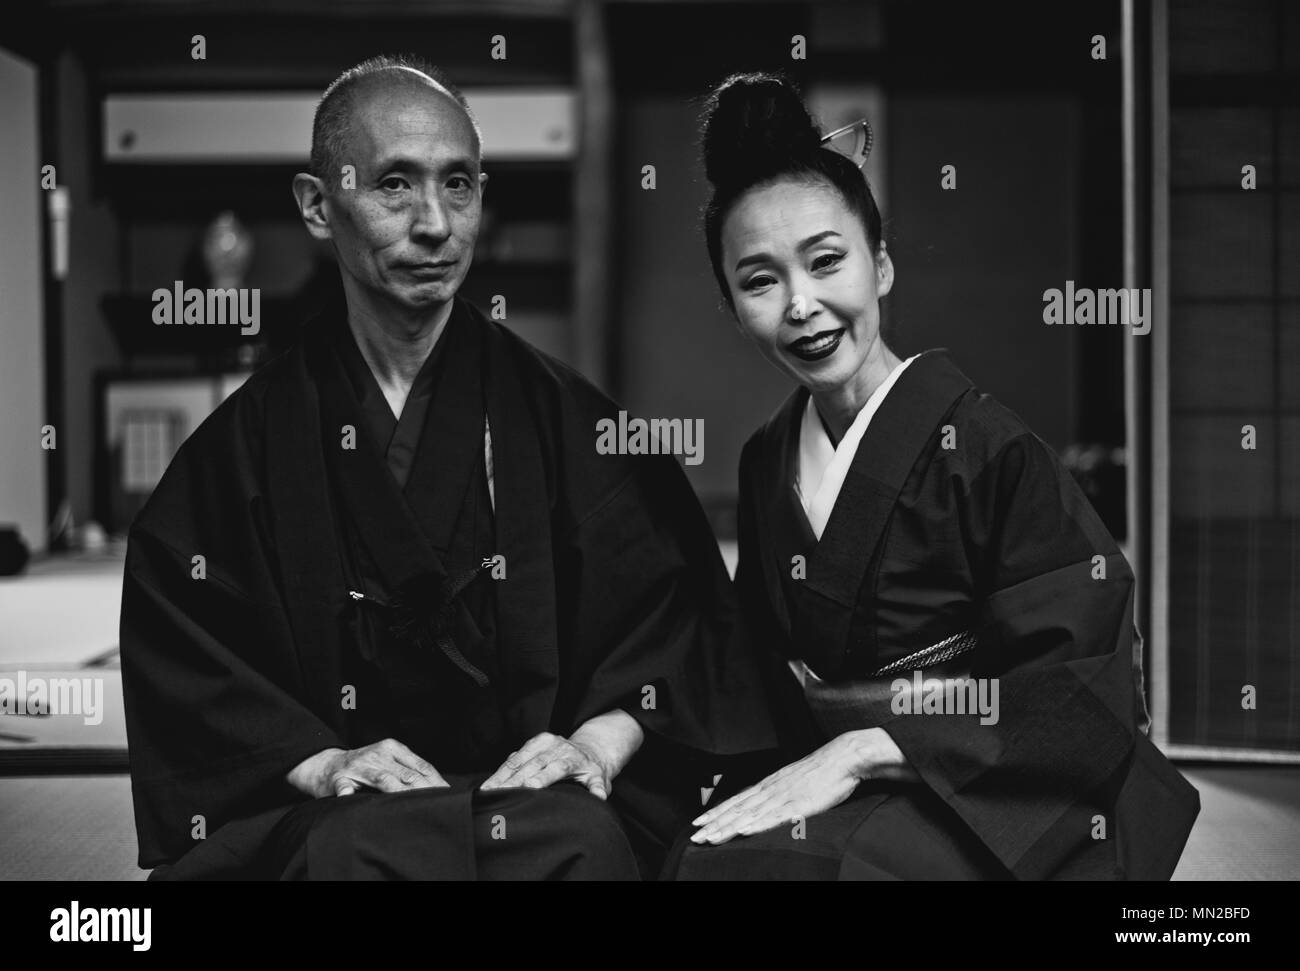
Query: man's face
point(406, 232)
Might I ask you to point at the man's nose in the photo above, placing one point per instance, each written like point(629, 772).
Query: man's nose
point(431, 220)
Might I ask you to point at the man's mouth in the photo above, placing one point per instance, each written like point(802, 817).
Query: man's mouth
point(816, 346)
point(428, 267)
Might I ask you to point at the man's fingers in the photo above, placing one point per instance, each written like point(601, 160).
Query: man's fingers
point(549, 773)
point(525, 774)
point(503, 772)
point(528, 762)
point(384, 780)
point(536, 744)
point(344, 786)
point(508, 774)
point(415, 771)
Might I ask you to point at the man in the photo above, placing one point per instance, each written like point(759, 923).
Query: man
point(389, 614)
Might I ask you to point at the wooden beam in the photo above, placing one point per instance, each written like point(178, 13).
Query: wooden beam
point(592, 193)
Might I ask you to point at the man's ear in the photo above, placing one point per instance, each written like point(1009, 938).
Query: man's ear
point(309, 193)
point(884, 272)
point(482, 183)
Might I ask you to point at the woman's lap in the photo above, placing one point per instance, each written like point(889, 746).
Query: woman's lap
point(882, 832)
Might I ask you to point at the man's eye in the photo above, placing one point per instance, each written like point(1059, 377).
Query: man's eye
point(460, 183)
point(827, 260)
point(393, 184)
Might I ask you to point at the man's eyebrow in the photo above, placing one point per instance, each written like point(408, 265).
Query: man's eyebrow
point(806, 244)
point(405, 163)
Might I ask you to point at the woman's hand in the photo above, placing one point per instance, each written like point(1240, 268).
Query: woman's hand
point(816, 783)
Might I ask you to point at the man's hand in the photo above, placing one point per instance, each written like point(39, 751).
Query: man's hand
point(388, 766)
point(593, 755)
point(816, 783)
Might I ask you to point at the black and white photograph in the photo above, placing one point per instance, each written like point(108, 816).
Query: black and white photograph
point(674, 441)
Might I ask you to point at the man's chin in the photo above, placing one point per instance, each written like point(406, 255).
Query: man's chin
point(426, 296)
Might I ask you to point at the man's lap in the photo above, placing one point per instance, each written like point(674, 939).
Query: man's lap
point(456, 833)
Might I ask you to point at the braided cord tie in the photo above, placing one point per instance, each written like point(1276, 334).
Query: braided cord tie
point(945, 650)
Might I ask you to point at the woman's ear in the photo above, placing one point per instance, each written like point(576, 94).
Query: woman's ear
point(884, 271)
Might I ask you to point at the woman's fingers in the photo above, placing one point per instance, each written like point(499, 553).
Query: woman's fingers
point(758, 819)
point(745, 809)
point(724, 807)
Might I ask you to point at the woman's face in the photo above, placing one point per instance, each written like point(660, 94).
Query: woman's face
point(804, 282)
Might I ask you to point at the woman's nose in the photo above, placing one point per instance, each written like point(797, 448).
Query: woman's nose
point(801, 307)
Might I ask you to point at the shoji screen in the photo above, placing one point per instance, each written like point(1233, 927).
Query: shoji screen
point(1234, 376)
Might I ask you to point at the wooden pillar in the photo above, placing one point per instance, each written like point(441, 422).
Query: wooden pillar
point(592, 191)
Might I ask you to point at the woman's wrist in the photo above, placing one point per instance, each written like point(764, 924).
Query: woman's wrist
point(873, 754)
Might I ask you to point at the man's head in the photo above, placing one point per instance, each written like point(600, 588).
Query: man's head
point(395, 184)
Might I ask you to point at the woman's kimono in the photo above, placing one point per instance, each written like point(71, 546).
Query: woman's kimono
point(953, 522)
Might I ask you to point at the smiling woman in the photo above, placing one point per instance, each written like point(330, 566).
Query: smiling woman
point(895, 523)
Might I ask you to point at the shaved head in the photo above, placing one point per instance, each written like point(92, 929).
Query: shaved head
point(332, 126)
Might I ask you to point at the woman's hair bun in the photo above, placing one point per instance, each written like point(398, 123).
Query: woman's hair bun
point(752, 124)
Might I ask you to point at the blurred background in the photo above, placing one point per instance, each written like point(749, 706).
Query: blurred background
point(1112, 144)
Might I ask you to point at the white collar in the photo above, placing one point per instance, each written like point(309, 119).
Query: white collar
point(822, 466)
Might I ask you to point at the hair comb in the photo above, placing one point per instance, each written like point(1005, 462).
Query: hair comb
point(853, 141)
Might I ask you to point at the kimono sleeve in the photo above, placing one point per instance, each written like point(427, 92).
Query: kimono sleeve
point(214, 720)
point(654, 605)
point(764, 632)
point(1055, 630)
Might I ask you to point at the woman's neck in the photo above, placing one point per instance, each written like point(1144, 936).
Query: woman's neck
point(839, 406)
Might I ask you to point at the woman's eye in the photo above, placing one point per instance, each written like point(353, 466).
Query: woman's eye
point(827, 260)
point(757, 283)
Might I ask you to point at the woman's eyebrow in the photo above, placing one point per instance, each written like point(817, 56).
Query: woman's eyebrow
point(806, 244)
point(814, 240)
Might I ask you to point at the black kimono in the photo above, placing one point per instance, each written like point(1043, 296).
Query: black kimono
point(311, 573)
point(954, 519)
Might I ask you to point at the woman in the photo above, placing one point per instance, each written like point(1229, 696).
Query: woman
point(966, 699)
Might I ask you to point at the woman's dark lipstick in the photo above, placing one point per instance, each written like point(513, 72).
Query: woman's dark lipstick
point(816, 346)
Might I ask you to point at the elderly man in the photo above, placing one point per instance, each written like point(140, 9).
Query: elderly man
point(389, 614)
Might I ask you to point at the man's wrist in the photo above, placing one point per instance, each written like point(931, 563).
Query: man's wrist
point(309, 775)
point(612, 739)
